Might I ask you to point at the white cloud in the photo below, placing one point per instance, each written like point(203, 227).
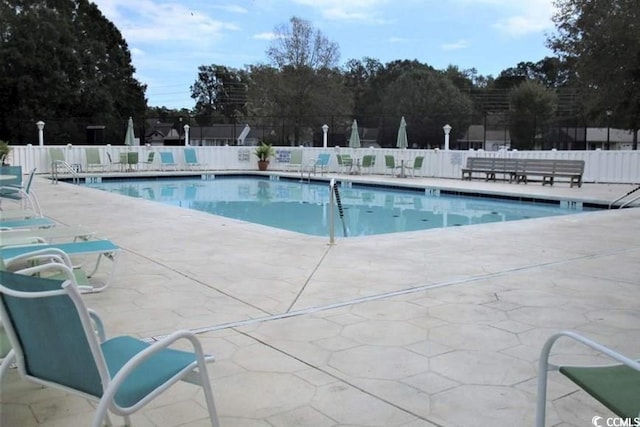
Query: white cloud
point(265, 36)
point(460, 44)
point(351, 10)
point(515, 18)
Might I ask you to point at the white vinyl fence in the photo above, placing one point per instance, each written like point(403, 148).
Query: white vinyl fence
point(620, 166)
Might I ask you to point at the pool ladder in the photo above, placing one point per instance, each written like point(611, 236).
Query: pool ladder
point(628, 202)
point(334, 197)
point(61, 163)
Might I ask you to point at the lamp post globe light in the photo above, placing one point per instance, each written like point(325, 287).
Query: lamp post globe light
point(186, 135)
point(447, 130)
point(325, 130)
point(40, 126)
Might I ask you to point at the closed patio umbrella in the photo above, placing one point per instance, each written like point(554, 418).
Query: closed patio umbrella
point(354, 140)
point(129, 137)
point(402, 135)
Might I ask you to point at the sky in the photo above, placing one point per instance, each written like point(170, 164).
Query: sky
point(170, 39)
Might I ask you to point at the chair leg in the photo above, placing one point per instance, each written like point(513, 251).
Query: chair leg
point(6, 364)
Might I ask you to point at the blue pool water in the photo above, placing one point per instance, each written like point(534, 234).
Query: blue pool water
point(304, 207)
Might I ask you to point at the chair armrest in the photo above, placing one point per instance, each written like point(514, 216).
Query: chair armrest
point(546, 349)
point(156, 347)
point(98, 325)
point(43, 254)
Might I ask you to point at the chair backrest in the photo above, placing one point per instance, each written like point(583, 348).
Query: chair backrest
point(93, 156)
point(151, 156)
point(56, 154)
point(190, 156)
point(390, 161)
point(339, 157)
point(417, 163)
point(166, 157)
point(296, 157)
point(27, 186)
point(323, 159)
point(50, 332)
point(368, 160)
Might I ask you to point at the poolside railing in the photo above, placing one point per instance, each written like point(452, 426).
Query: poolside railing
point(619, 166)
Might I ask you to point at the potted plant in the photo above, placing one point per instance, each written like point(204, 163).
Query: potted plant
point(264, 152)
point(5, 149)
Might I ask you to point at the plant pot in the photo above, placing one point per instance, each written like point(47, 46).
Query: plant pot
point(263, 165)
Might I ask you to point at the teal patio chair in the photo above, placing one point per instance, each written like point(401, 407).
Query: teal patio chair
point(191, 159)
point(167, 161)
point(22, 193)
point(616, 386)
point(321, 163)
point(58, 342)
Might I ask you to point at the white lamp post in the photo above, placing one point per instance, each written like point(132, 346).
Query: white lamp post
point(40, 125)
point(325, 129)
point(186, 135)
point(447, 130)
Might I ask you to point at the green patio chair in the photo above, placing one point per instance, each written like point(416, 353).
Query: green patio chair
point(368, 163)
point(92, 155)
point(390, 164)
point(345, 162)
point(416, 167)
point(295, 161)
point(616, 386)
point(58, 342)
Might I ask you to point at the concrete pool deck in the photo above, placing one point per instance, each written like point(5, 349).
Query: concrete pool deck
point(434, 328)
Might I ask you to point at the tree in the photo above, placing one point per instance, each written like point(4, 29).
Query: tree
point(532, 105)
point(428, 99)
point(220, 90)
point(307, 81)
point(299, 46)
point(600, 41)
point(63, 62)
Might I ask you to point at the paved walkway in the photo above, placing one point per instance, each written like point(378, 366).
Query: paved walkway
point(433, 328)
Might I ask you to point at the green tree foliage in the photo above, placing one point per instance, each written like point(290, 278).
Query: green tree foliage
point(220, 90)
point(62, 61)
point(600, 41)
point(532, 107)
point(428, 99)
point(303, 82)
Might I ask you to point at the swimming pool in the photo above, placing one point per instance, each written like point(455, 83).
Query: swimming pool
point(303, 207)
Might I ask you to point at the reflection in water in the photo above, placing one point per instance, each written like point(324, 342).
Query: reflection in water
point(304, 207)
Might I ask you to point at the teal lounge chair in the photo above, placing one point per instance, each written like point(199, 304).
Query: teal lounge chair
point(39, 222)
point(616, 386)
point(62, 252)
point(58, 342)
